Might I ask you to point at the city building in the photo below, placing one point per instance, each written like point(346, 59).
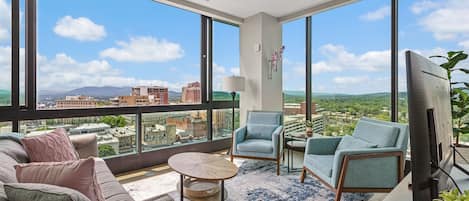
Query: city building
point(156, 95)
point(132, 101)
point(298, 108)
point(194, 125)
point(155, 135)
point(221, 122)
point(126, 137)
point(191, 93)
point(296, 123)
point(76, 102)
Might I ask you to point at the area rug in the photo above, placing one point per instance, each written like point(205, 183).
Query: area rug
point(257, 180)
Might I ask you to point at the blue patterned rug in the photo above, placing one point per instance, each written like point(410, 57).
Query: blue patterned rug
point(257, 180)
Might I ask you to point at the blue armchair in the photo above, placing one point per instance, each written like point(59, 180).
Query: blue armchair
point(371, 160)
point(260, 138)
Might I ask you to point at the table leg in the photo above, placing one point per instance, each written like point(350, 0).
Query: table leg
point(222, 190)
point(292, 156)
point(182, 187)
point(288, 160)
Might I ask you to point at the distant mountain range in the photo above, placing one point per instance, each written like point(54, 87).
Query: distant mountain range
point(98, 92)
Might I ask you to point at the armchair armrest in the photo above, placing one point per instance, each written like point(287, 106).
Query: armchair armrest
point(368, 168)
point(239, 135)
point(277, 140)
point(322, 146)
point(86, 145)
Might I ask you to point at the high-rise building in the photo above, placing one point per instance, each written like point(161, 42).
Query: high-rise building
point(296, 124)
point(156, 95)
point(76, 102)
point(191, 93)
point(131, 101)
point(298, 108)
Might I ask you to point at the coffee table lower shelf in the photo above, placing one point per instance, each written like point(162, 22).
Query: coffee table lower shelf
point(199, 190)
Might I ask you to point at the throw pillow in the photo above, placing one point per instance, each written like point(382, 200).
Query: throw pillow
point(41, 192)
point(349, 142)
point(79, 175)
point(51, 147)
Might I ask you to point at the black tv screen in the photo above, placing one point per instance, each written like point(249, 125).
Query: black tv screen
point(430, 124)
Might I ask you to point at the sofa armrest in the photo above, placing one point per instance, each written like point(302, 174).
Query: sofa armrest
point(377, 167)
point(322, 145)
point(86, 145)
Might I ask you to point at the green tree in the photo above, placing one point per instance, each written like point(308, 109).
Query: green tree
point(114, 121)
point(106, 150)
point(459, 95)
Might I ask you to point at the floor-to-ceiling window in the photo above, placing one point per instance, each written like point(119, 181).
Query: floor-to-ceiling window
point(351, 65)
point(294, 76)
point(432, 27)
point(225, 63)
point(5, 52)
point(127, 74)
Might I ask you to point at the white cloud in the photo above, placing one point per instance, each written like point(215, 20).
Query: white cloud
point(5, 19)
point(81, 28)
point(218, 69)
point(144, 49)
point(350, 80)
point(377, 14)
point(464, 44)
point(448, 21)
point(62, 72)
point(423, 6)
point(337, 58)
point(235, 71)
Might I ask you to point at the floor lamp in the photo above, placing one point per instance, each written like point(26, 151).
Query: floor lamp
point(233, 84)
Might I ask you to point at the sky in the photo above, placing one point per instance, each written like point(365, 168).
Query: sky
point(351, 44)
point(117, 43)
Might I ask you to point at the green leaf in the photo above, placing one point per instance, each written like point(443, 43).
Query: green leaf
point(452, 53)
point(464, 70)
point(439, 56)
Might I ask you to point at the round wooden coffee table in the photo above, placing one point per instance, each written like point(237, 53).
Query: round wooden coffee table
point(202, 166)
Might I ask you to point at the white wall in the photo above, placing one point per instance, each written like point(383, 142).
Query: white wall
point(260, 93)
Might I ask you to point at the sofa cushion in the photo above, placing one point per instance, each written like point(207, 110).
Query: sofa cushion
point(41, 192)
point(256, 145)
point(51, 147)
point(79, 175)
point(265, 118)
point(380, 134)
point(321, 163)
point(260, 131)
point(11, 153)
point(349, 142)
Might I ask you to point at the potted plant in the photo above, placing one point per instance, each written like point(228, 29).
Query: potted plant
point(453, 196)
point(459, 92)
point(309, 128)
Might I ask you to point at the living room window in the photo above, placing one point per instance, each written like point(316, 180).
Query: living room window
point(120, 57)
point(5, 52)
point(351, 76)
point(294, 76)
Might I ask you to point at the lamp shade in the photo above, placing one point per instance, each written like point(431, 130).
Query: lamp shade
point(233, 83)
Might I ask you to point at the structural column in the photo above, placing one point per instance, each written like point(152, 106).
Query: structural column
point(260, 36)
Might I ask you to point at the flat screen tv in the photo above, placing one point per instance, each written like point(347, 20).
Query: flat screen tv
point(430, 124)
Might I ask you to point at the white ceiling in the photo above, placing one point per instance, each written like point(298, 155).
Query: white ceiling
point(237, 10)
point(247, 8)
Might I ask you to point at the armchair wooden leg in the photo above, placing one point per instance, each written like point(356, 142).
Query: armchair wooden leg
point(338, 194)
point(303, 175)
point(231, 156)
